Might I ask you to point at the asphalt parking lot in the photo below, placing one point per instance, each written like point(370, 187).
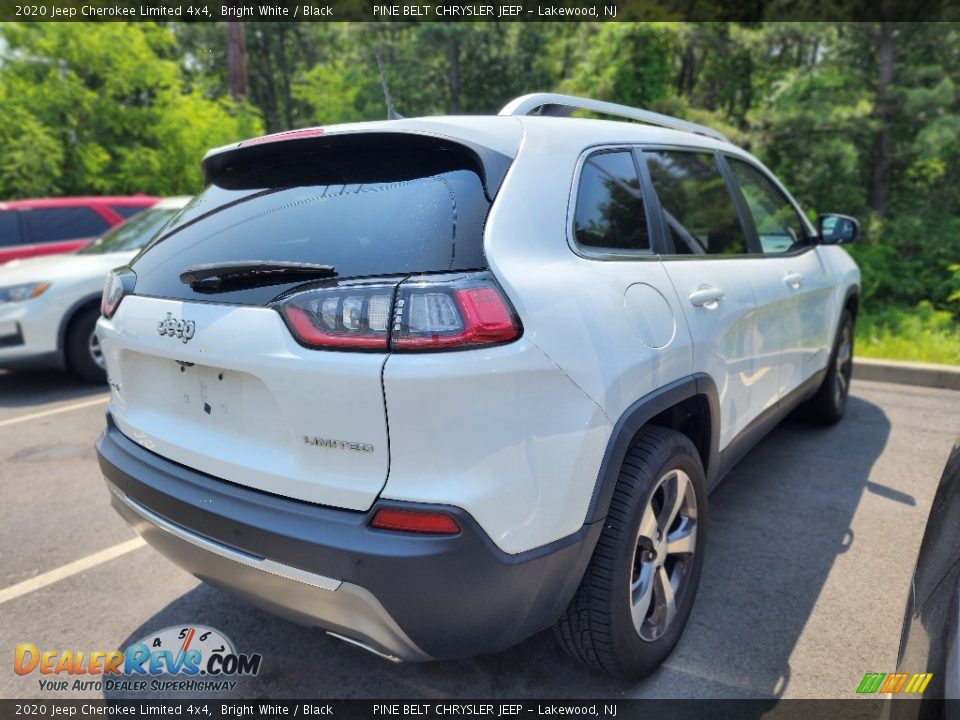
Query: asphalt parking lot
point(813, 540)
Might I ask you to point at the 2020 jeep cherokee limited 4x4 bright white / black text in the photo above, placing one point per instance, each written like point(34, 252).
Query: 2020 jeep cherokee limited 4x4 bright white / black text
point(437, 384)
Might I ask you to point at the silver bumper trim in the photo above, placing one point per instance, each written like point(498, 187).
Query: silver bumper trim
point(268, 566)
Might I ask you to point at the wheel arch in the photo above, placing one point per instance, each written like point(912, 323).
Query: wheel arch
point(851, 301)
point(689, 405)
point(69, 317)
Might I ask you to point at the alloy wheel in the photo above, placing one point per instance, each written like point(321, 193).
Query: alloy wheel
point(93, 345)
point(663, 556)
point(843, 365)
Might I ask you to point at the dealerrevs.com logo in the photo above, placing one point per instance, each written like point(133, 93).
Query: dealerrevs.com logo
point(183, 658)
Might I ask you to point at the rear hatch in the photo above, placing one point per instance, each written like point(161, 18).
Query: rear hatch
point(213, 371)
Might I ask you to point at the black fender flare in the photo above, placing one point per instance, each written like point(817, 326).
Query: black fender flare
point(638, 415)
point(852, 292)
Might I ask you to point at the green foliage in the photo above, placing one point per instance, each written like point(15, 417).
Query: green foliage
point(117, 107)
point(921, 334)
point(101, 108)
point(628, 62)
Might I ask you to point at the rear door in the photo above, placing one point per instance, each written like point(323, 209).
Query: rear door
point(705, 247)
point(211, 375)
point(792, 284)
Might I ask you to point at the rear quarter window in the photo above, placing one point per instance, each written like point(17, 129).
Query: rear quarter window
point(609, 215)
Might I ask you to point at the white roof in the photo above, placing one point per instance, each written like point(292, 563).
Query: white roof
point(504, 133)
point(172, 203)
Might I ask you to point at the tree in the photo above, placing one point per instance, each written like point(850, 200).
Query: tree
point(104, 110)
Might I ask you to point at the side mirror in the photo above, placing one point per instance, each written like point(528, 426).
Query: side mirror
point(837, 229)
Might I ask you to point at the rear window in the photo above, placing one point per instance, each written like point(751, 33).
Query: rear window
point(71, 223)
point(400, 216)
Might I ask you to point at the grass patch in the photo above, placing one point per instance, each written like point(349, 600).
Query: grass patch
point(922, 334)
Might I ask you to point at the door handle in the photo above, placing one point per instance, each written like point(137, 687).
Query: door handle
point(793, 280)
point(706, 297)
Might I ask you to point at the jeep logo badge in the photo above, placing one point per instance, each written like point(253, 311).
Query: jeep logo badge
point(183, 329)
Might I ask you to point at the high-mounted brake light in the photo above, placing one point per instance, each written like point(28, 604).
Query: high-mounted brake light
point(283, 136)
point(120, 283)
point(414, 521)
point(425, 313)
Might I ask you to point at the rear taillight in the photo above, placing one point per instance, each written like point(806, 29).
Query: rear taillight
point(354, 317)
point(120, 283)
point(414, 521)
point(429, 312)
point(462, 312)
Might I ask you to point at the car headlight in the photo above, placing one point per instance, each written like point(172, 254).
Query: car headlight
point(17, 293)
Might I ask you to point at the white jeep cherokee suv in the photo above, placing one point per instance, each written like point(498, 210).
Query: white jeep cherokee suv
point(437, 384)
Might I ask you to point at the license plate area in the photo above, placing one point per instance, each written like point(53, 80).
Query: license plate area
point(203, 390)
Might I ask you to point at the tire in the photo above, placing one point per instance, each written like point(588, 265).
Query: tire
point(598, 627)
point(82, 348)
point(830, 402)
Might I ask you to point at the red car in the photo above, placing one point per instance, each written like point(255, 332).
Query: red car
point(56, 225)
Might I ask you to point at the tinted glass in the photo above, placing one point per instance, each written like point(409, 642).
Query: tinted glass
point(425, 219)
point(52, 224)
point(609, 214)
point(127, 211)
point(133, 234)
point(9, 228)
point(698, 211)
point(776, 220)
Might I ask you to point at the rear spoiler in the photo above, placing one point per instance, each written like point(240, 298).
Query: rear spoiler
point(227, 166)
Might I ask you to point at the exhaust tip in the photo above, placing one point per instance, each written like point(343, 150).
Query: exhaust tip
point(364, 646)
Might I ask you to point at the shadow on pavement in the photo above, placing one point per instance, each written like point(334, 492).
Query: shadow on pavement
point(30, 388)
point(777, 524)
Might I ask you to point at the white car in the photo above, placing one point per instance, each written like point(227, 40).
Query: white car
point(49, 305)
point(437, 384)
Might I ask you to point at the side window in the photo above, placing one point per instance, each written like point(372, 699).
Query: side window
point(53, 224)
point(698, 210)
point(778, 224)
point(609, 214)
point(9, 228)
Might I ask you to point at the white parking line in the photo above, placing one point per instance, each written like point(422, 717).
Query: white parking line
point(65, 571)
point(54, 411)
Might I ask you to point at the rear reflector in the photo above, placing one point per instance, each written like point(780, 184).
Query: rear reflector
point(414, 521)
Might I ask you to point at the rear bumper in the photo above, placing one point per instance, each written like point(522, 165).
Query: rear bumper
point(408, 596)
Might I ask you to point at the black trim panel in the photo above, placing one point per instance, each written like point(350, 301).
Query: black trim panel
point(635, 417)
point(14, 339)
point(766, 421)
point(454, 595)
point(718, 463)
point(41, 361)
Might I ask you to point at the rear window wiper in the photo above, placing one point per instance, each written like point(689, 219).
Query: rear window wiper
point(251, 272)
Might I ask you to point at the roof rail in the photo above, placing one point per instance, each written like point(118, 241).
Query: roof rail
point(554, 104)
